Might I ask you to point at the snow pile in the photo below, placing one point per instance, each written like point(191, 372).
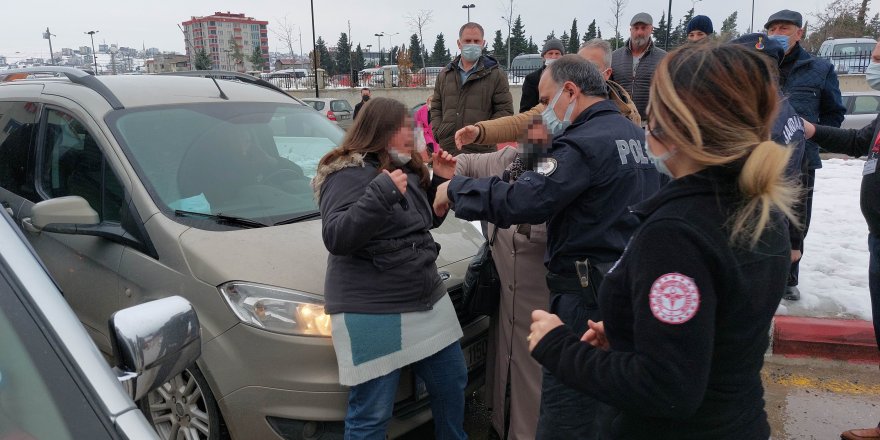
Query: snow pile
point(834, 270)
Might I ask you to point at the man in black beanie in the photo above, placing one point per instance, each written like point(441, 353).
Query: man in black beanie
point(552, 50)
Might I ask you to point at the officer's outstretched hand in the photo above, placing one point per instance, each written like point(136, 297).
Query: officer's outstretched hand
point(444, 164)
point(441, 200)
point(542, 323)
point(466, 135)
point(595, 335)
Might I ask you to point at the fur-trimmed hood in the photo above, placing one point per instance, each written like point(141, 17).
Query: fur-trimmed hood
point(350, 160)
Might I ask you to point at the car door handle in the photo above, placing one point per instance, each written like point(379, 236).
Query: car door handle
point(29, 225)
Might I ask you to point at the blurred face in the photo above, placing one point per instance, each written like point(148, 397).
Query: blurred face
point(788, 29)
point(552, 54)
point(471, 36)
point(597, 57)
point(640, 35)
point(365, 93)
point(696, 36)
point(403, 140)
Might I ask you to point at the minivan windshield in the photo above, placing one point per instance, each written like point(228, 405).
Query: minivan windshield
point(246, 160)
point(853, 49)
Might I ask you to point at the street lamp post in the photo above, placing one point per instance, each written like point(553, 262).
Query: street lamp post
point(94, 55)
point(47, 35)
point(379, 45)
point(369, 48)
point(314, 48)
point(468, 7)
point(668, 14)
point(752, 26)
point(391, 46)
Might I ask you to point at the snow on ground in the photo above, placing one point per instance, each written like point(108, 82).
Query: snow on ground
point(834, 270)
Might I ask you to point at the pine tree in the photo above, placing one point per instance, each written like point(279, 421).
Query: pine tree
point(499, 49)
point(533, 48)
point(518, 43)
point(591, 32)
point(564, 39)
point(660, 31)
point(440, 55)
point(359, 62)
point(203, 61)
point(325, 61)
point(343, 54)
point(574, 42)
point(392, 55)
point(237, 55)
point(415, 51)
point(256, 59)
point(873, 27)
point(550, 36)
point(728, 28)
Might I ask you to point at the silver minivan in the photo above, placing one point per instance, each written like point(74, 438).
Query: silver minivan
point(848, 55)
point(135, 188)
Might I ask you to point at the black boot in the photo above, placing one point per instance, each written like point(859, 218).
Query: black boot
point(792, 293)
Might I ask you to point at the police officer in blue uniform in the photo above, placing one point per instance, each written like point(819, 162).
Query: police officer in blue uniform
point(597, 168)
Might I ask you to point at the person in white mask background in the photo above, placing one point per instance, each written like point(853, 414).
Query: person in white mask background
point(469, 89)
point(553, 49)
point(812, 88)
point(864, 141)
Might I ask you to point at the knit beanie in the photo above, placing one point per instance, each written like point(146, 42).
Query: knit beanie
point(551, 44)
point(700, 23)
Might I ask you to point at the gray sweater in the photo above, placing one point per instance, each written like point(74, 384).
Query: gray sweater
point(637, 85)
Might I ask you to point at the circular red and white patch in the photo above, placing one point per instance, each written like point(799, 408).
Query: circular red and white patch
point(674, 298)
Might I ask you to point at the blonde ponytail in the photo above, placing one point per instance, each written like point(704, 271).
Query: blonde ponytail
point(765, 188)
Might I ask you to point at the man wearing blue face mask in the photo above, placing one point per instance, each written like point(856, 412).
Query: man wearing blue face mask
point(812, 89)
point(471, 88)
point(597, 167)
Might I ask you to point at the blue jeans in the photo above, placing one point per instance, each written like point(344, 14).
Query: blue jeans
point(371, 403)
point(874, 281)
point(566, 413)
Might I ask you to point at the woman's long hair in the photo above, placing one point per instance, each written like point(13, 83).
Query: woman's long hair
point(377, 122)
point(717, 105)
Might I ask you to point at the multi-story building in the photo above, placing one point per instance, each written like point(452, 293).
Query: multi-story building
point(228, 39)
point(166, 63)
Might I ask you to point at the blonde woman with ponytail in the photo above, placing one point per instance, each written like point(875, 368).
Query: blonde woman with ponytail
point(688, 306)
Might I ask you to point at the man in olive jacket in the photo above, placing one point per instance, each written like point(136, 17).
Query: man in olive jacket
point(471, 88)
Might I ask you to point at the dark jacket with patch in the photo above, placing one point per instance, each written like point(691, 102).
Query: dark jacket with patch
point(529, 97)
point(813, 90)
point(788, 130)
point(382, 255)
point(600, 170)
point(484, 95)
point(638, 84)
point(682, 366)
point(858, 143)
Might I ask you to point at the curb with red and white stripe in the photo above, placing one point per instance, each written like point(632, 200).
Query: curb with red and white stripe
point(840, 339)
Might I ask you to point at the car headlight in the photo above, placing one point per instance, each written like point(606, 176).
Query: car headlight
point(276, 309)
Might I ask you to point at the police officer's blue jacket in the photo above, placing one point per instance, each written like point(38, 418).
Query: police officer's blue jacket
point(597, 168)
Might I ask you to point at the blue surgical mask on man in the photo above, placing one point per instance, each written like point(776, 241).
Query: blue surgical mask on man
point(781, 39)
point(872, 75)
point(471, 52)
point(551, 121)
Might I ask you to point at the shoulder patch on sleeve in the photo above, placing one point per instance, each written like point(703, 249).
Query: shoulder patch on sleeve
point(546, 166)
point(674, 298)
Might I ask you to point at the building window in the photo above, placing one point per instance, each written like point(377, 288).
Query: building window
point(212, 23)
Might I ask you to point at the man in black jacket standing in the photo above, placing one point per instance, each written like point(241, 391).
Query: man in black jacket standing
point(553, 49)
point(365, 96)
point(633, 64)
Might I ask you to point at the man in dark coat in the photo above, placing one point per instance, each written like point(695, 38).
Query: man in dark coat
point(553, 49)
point(365, 96)
point(633, 64)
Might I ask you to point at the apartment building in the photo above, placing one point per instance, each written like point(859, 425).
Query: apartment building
point(229, 40)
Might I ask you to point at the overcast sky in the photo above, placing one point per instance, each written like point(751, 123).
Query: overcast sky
point(154, 23)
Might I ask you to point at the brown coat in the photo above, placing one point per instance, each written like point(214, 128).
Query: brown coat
point(520, 263)
point(484, 95)
point(510, 128)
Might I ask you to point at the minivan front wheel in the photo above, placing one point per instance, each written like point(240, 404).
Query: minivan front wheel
point(184, 408)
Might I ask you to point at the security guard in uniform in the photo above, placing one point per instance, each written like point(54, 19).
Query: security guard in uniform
point(597, 167)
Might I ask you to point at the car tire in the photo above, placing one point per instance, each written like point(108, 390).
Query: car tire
point(184, 408)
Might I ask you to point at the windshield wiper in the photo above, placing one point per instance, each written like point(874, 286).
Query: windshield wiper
point(238, 221)
point(299, 218)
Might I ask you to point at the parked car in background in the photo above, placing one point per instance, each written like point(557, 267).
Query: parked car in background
point(338, 111)
point(137, 188)
point(426, 76)
point(54, 383)
point(861, 108)
point(848, 55)
point(523, 65)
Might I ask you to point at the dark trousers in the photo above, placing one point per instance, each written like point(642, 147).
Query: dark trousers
point(808, 180)
point(566, 413)
point(874, 281)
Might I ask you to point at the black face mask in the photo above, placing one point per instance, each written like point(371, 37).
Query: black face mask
point(365, 98)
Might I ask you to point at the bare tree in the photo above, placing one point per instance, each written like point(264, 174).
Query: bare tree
point(617, 7)
point(417, 23)
point(284, 32)
point(508, 11)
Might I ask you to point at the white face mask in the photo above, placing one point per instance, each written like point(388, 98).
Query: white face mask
point(872, 75)
point(551, 121)
point(659, 161)
point(398, 159)
point(549, 61)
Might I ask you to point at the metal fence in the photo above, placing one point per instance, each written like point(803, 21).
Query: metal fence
point(851, 63)
point(376, 78)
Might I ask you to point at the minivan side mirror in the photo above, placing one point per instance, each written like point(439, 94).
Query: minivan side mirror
point(62, 210)
point(153, 342)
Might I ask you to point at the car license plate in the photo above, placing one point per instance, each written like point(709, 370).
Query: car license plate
point(344, 117)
